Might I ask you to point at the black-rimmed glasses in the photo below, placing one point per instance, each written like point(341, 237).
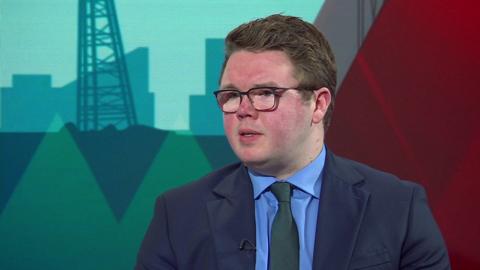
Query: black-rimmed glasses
point(262, 98)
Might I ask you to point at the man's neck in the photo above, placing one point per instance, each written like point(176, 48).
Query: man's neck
point(288, 168)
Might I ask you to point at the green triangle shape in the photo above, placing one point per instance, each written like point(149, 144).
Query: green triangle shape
point(56, 124)
point(180, 160)
point(57, 217)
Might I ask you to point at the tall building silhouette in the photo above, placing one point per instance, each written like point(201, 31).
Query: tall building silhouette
point(205, 116)
point(138, 70)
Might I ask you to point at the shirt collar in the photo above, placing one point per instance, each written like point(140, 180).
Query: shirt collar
point(302, 179)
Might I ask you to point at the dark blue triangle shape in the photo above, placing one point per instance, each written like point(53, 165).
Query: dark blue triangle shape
point(119, 160)
point(16, 151)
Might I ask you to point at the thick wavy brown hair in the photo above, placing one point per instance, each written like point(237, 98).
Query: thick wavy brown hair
point(304, 44)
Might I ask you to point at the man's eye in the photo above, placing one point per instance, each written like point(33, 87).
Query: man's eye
point(264, 92)
point(234, 95)
point(230, 95)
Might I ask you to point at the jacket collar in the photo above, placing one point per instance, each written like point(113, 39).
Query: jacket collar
point(232, 221)
point(342, 207)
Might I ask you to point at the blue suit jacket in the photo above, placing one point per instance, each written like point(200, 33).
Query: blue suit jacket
point(367, 219)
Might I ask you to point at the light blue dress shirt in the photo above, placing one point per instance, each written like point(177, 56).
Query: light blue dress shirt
point(304, 204)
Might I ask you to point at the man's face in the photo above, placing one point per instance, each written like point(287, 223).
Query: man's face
point(274, 142)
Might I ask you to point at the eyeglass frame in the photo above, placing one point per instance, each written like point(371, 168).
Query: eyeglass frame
point(277, 92)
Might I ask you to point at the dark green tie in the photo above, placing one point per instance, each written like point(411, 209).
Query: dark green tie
point(284, 247)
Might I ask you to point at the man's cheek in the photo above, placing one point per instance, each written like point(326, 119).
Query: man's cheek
point(278, 138)
point(227, 125)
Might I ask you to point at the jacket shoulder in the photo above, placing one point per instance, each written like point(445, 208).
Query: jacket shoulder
point(201, 189)
point(374, 180)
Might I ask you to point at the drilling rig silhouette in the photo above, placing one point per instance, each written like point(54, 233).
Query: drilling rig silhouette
point(104, 94)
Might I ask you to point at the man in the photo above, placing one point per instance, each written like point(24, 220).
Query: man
point(290, 203)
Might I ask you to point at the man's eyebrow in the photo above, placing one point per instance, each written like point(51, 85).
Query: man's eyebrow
point(266, 84)
point(257, 85)
point(229, 87)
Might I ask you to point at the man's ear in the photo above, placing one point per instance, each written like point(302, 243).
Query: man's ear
point(322, 101)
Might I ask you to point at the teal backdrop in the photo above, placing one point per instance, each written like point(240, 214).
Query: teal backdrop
point(72, 199)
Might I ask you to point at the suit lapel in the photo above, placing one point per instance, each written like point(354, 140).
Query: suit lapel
point(342, 207)
point(232, 219)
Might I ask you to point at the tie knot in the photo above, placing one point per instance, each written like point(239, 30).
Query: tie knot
point(281, 190)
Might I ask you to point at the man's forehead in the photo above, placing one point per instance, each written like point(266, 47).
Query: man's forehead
point(266, 68)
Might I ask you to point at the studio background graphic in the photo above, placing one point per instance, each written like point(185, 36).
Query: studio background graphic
point(407, 103)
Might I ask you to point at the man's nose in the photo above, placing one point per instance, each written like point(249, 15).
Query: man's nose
point(246, 108)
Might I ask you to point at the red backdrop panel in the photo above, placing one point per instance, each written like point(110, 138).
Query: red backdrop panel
point(410, 104)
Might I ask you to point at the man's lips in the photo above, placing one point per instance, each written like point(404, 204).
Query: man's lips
point(248, 132)
point(248, 136)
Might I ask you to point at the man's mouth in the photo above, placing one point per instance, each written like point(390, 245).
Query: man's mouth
point(248, 133)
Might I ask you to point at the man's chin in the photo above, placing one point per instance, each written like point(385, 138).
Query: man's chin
point(250, 156)
point(254, 163)
point(261, 166)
